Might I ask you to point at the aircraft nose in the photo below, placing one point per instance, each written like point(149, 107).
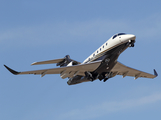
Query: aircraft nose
point(131, 37)
point(128, 37)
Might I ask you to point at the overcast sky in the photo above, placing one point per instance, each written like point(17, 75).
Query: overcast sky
point(36, 30)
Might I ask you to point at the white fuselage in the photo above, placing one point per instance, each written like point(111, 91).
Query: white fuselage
point(113, 42)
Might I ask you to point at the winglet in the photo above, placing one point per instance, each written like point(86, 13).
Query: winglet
point(155, 73)
point(12, 71)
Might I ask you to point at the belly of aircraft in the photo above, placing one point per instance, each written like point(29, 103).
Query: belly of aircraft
point(108, 62)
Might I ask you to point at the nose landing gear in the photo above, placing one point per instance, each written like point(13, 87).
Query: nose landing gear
point(131, 43)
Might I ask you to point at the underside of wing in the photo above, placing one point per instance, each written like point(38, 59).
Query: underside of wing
point(68, 71)
point(123, 70)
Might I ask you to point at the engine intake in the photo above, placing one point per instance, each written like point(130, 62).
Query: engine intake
point(67, 62)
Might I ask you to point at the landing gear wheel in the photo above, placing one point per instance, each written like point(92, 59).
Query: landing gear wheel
point(91, 79)
point(132, 45)
point(100, 77)
point(105, 79)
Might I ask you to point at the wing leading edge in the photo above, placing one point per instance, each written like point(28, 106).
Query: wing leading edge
point(123, 70)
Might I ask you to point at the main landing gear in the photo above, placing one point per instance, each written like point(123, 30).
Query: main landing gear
point(105, 79)
point(105, 76)
point(89, 75)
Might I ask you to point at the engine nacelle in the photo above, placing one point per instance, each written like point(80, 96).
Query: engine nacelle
point(67, 62)
point(73, 63)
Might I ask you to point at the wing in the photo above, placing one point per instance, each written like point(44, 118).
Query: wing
point(68, 71)
point(123, 70)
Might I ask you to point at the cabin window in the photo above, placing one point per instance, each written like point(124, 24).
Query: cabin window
point(97, 51)
point(103, 46)
point(106, 44)
point(100, 49)
point(93, 55)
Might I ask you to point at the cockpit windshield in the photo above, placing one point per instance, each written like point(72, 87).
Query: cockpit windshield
point(118, 35)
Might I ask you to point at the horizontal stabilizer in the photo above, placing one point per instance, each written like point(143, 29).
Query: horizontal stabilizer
point(12, 71)
point(55, 61)
point(48, 62)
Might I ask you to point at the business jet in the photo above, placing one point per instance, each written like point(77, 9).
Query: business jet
point(101, 64)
